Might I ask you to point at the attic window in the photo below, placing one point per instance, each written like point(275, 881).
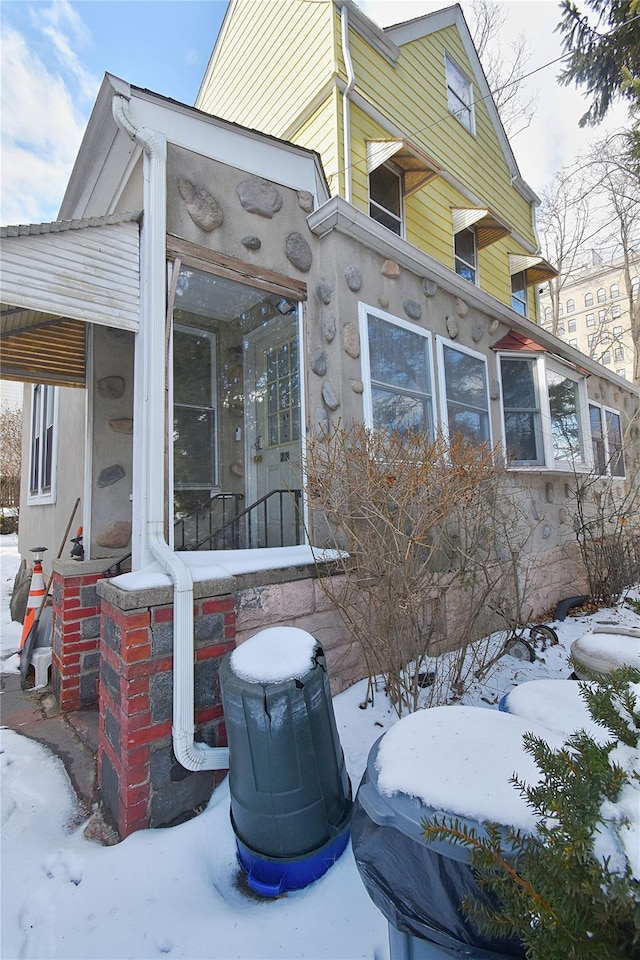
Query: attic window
point(460, 95)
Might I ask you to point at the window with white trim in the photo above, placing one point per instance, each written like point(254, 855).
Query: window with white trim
point(622, 373)
point(464, 392)
point(606, 440)
point(614, 291)
point(397, 373)
point(465, 254)
point(385, 197)
point(616, 310)
point(519, 293)
point(618, 354)
point(42, 452)
point(460, 95)
point(591, 319)
point(602, 295)
point(588, 299)
point(571, 306)
point(543, 406)
point(571, 325)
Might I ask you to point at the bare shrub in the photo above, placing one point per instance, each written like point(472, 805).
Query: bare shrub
point(432, 535)
point(606, 521)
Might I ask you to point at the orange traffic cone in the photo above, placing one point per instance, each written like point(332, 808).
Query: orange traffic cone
point(37, 593)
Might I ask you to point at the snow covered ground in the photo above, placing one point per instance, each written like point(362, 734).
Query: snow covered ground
point(175, 892)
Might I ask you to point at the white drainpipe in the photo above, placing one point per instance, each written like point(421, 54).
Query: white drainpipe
point(192, 755)
point(346, 113)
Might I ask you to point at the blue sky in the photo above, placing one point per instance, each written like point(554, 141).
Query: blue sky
point(55, 53)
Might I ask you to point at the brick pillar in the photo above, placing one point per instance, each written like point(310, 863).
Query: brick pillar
point(142, 783)
point(76, 633)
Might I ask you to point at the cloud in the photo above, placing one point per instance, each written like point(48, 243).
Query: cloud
point(44, 113)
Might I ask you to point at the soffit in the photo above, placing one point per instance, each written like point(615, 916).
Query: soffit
point(488, 227)
point(417, 166)
point(536, 269)
point(40, 348)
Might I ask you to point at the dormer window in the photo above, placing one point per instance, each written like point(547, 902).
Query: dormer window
point(464, 243)
point(385, 197)
point(460, 95)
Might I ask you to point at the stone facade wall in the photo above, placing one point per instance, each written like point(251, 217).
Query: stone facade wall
point(142, 783)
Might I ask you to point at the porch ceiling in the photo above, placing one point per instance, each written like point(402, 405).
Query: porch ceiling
point(40, 348)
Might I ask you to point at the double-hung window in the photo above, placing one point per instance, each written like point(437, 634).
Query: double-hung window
point(385, 197)
point(42, 454)
point(543, 406)
point(465, 254)
point(606, 439)
point(397, 372)
point(519, 293)
point(464, 392)
point(460, 95)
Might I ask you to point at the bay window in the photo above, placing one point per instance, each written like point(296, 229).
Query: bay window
point(606, 440)
point(543, 406)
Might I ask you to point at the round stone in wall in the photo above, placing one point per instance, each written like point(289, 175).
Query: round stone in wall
point(391, 269)
point(298, 252)
point(305, 200)
point(357, 386)
point(461, 308)
point(477, 332)
point(111, 475)
point(121, 425)
point(318, 362)
point(329, 327)
point(111, 388)
point(115, 535)
point(325, 290)
point(330, 396)
point(260, 197)
point(452, 326)
point(383, 302)
point(252, 243)
point(549, 492)
point(494, 391)
point(493, 326)
point(351, 340)
point(321, 421)
point(353, 277)
point(412, 309)
point(202, 207)
point(430, 287)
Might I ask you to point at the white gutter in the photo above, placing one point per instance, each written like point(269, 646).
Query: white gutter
point(150, 360)
point(346, 112)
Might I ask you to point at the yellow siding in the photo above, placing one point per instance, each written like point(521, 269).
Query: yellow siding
point(413, 95)
point(322, 133)
point(273, 61)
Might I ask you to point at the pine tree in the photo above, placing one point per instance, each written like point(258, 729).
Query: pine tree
point(554, 889)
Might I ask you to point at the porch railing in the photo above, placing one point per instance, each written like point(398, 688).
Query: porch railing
point(274, 520)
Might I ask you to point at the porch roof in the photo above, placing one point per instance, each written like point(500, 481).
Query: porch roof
point(56, 278)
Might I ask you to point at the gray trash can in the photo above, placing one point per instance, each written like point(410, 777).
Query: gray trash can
point(418, 886)
point(290, 793)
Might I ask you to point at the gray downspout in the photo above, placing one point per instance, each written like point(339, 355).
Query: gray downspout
point(192, 755)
